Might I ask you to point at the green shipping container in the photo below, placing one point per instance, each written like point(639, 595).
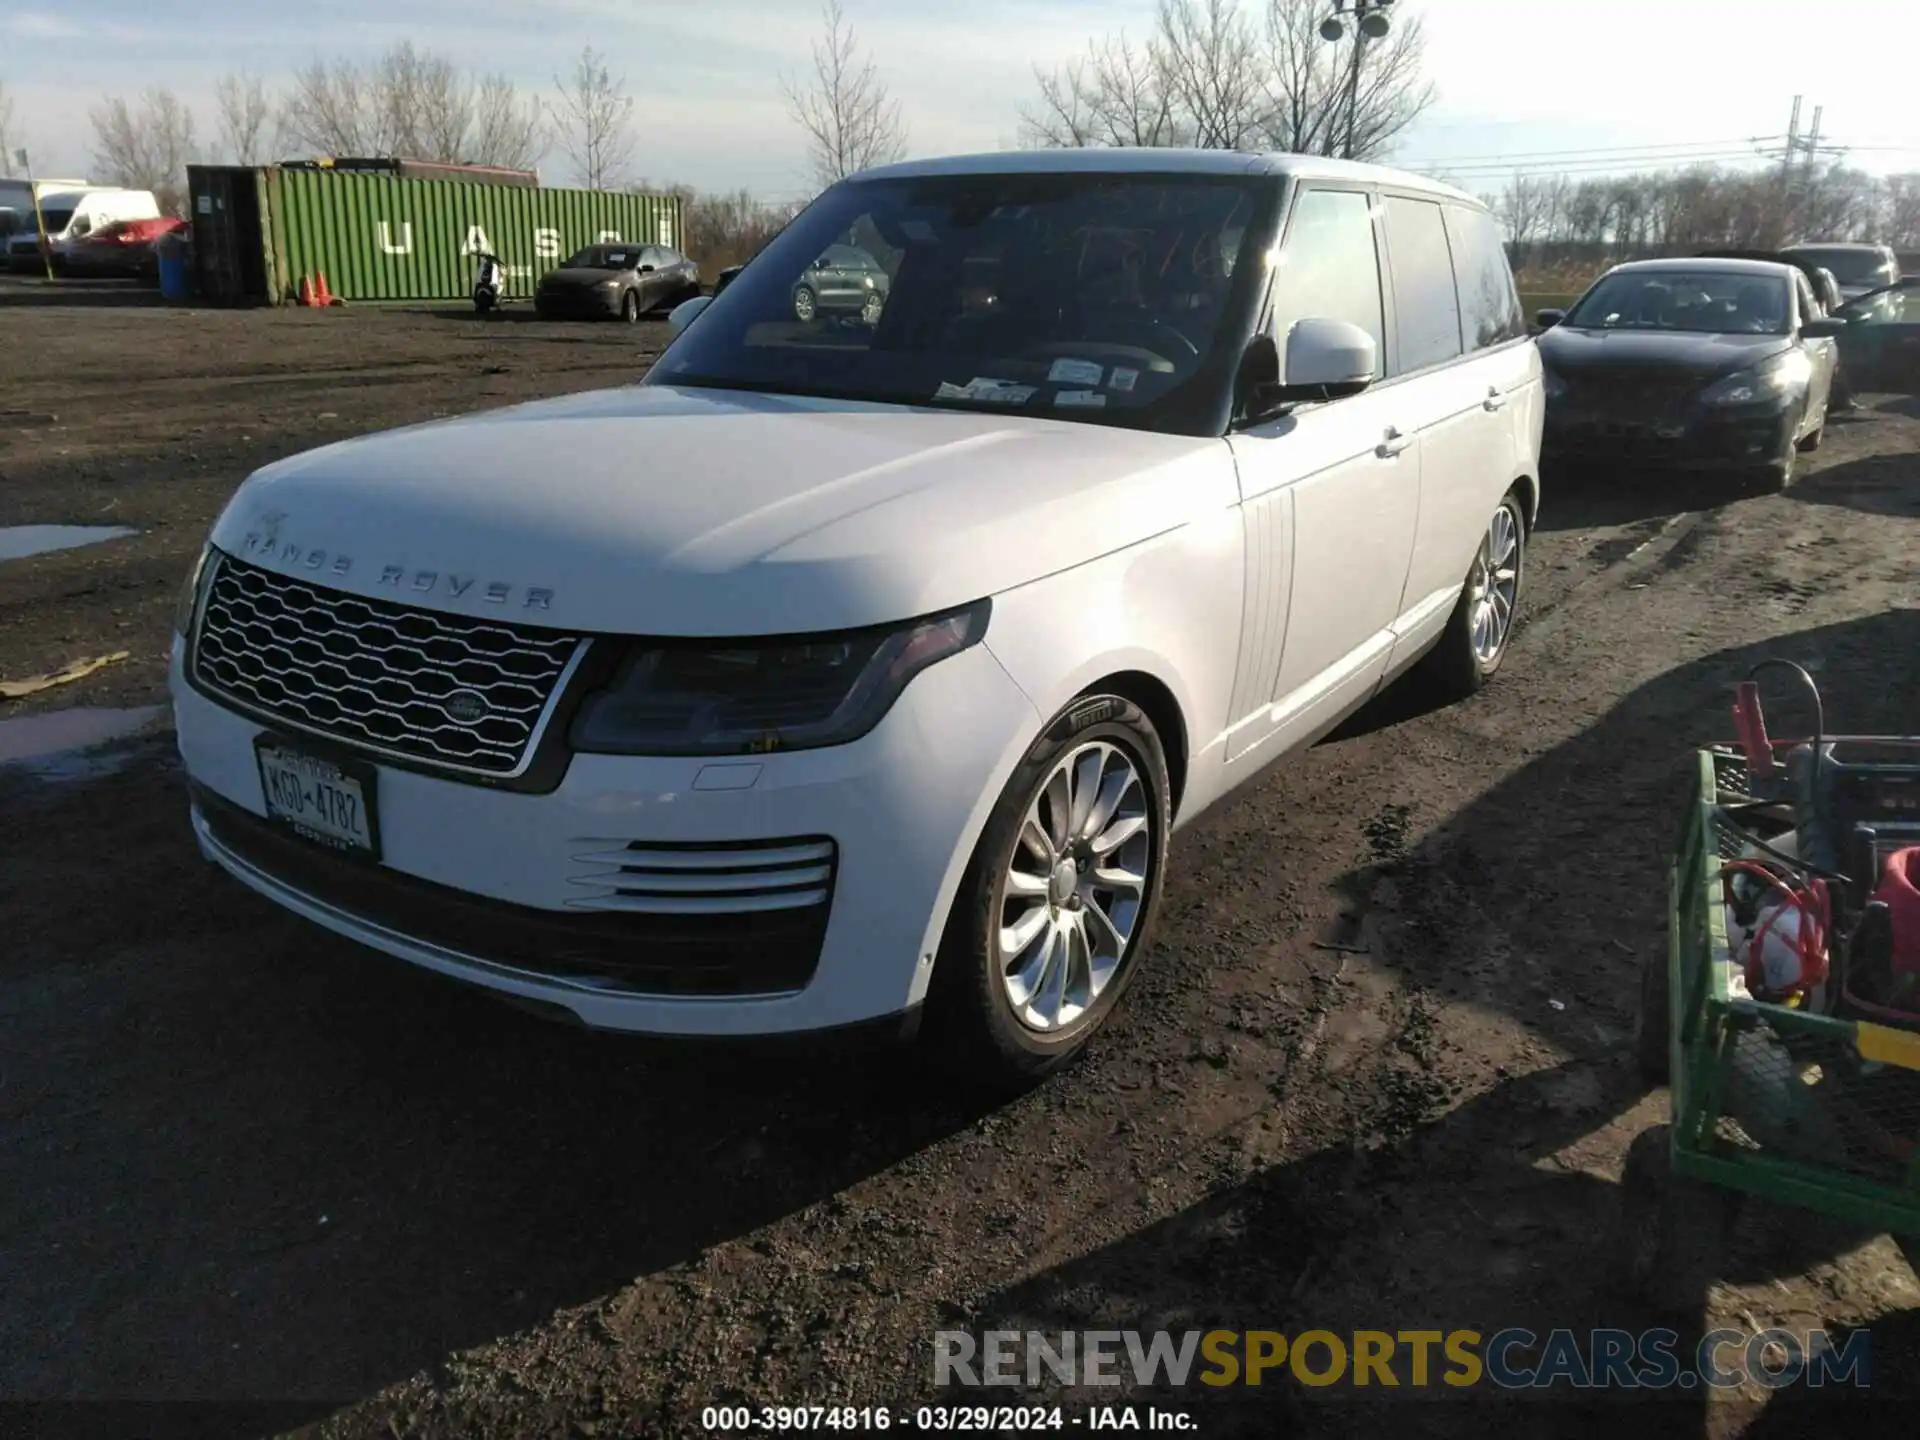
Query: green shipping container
point(377, 238)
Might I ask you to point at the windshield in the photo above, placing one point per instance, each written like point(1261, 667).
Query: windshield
point(1699, 301)
point(603, 257)
point(1852, 266)
point(56, 220)
point(1098, 297)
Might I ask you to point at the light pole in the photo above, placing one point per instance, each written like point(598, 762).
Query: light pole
point(1369, 23)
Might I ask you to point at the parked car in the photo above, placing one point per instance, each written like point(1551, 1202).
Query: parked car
point(72, 215)
point(1858, 268)
point(838, 676)
point(1881, 342)
point(1691, 364)
point(726, 277)
point(1828, 298)
point(123, 248)
point(616, 282)
point(845, 280)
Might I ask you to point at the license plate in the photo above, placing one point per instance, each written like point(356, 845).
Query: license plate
point(326, 801)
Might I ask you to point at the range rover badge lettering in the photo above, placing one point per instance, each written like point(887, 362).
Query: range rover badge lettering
point(467, 707)
point(268, 546)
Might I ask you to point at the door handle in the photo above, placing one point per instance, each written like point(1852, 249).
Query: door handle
point(1495, 400)
point(1393, 444)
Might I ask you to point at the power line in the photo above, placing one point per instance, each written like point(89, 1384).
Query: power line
point(1620, 150)
point(1543, 169)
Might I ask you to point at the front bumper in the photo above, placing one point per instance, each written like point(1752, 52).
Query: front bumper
point(1695, 438)
point(578, 304)
point(490, 886)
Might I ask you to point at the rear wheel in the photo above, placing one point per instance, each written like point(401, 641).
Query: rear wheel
point(1058, 899)
point(1470, 651)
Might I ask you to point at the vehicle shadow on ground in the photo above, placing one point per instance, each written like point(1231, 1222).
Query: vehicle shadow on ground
point(290, 1169)
point(71, 294)
point(1596, 497)
point(1488, 1215)
point(520, 312)
point(1874, 485)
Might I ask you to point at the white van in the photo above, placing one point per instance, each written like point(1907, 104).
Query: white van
point(74, 214)
point(861, 663)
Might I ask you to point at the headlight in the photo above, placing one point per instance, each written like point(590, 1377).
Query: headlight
point(1771, 379)
point(787, 693)
point(189, 601)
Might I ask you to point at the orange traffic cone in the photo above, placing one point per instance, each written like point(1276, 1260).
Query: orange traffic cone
point(306, 290)
point(321, 295)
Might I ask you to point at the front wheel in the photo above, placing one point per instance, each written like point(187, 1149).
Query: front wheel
point(1058, 898)
point(1470, 651)
point(630, 308)
point(805, 304)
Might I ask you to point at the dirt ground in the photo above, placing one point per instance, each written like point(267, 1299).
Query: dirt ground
point(1375, 1075)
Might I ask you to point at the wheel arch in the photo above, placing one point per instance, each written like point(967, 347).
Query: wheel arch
point(1157, 700)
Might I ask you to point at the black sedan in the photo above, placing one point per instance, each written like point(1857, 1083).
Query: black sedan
point(1881, 343)
point(1690, 364)
point(617, 281)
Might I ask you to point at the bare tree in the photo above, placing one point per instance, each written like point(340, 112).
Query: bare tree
point(1113, 95)
point(146, 147)
point(245, 117)
point(329, 110)
point(1308, 83)
point(1522, 208)
point(1210, 76)
point(594, 121)
point(6, 128)
point(851, 119)
point(508, 129)
point(423, 104)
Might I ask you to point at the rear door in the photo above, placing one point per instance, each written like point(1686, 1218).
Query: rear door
point(1462, 354)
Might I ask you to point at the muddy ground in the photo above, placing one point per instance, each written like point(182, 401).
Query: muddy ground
point(1375, 1074)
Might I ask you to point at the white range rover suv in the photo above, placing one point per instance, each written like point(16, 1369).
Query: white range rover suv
point(857, 667)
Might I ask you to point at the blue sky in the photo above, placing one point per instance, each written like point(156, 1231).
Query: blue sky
point(1522, 82)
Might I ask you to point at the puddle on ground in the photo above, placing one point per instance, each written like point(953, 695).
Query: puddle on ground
point(61, 744)
point(19, 541)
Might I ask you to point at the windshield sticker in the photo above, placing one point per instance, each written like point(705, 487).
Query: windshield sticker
point(1123, 378)
point(918, 230)
point(1076, 372)
point(1080, 397)
point(996, 392)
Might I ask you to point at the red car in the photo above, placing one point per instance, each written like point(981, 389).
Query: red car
point(123, 248)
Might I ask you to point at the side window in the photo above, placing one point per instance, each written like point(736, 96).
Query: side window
point(1329, 268)
point(1426, 310)
point(1490, 312)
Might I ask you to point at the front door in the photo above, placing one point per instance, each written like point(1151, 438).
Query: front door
point(1331, 497)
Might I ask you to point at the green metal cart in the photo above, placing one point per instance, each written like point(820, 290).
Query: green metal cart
point(1766, 1099)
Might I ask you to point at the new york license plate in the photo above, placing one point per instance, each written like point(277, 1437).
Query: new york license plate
point(323, 800)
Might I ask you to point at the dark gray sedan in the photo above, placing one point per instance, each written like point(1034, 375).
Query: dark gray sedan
point(845, 280)
point(605, 282)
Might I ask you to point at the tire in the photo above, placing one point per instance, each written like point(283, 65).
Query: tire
point(1771, 479)
point(1810, 441)
point(630, 308)
point(805, 303)
point(1670, 1232)
point(1653, 1024)
point(1458, 666)
point(985, 1034)
point(871, 309)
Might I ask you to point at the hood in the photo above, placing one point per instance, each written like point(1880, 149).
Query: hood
point(577, 279)
point(659, 511)
point(1655, 352)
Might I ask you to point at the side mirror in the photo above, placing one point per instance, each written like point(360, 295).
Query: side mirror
point(1547, 319)
point(1325, 360)
point(686, 312)
point(1824, 327)
point(644, 270)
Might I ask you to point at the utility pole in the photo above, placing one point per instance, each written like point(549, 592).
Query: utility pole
point(1369, 23)
point(1793, 143)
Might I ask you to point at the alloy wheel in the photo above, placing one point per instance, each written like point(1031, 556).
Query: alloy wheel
point(1074, 886)
point(1494, 587)
point(803, 304)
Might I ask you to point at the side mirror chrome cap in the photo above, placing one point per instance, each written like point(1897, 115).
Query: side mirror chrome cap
point(686, 312)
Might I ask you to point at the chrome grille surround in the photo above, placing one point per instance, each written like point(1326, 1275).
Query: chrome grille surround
point(747, 877)
point(379, 676)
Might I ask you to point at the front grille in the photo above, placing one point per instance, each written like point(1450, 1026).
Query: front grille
point(765, 875)
point(713, 952)
point(447, 690)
